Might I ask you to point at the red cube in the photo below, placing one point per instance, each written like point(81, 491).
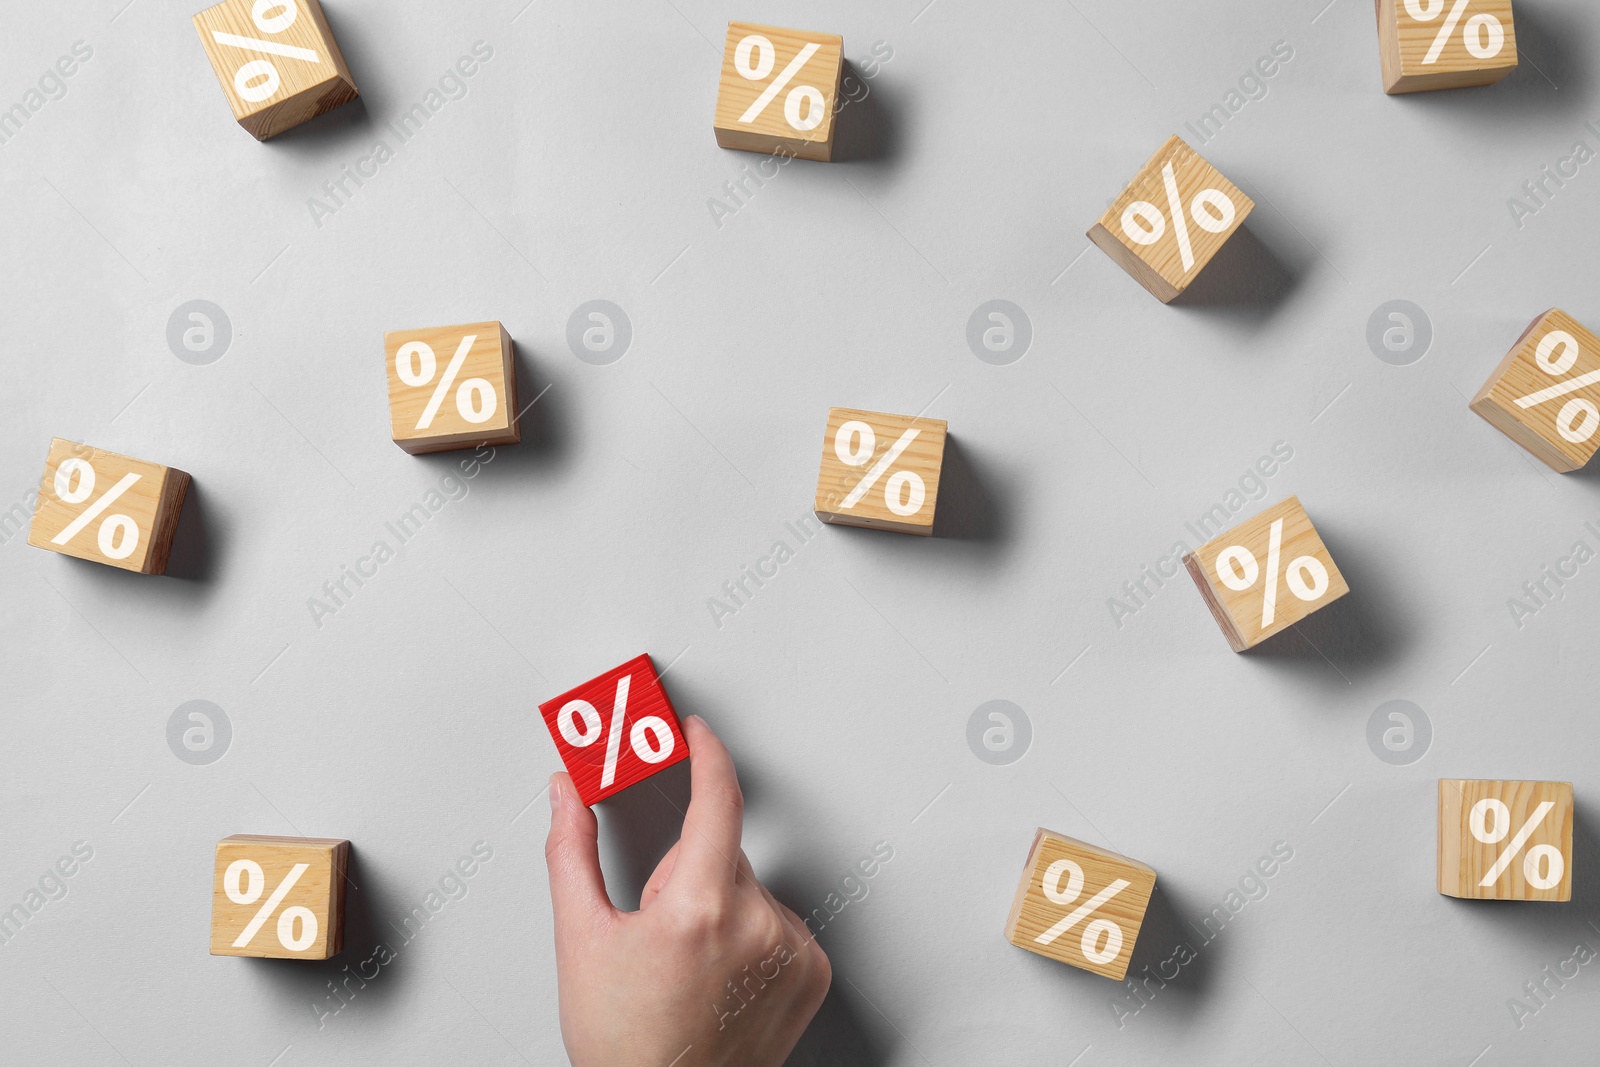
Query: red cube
point(615, 730)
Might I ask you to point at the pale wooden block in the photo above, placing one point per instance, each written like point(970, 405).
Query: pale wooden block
point(306, 923)
point(106, 507)
point(1163, 248)
point(1500, 840)
point(1235, 573)
point(1529, 396)
point(1104, 895)
point(431, 410)
point(277, 61)
point(907, 455)
point(1478, 46)
point(792, 120)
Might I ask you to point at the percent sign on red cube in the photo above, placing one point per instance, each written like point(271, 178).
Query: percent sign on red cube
point(615, 730)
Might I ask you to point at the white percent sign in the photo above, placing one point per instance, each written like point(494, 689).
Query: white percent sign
point(1093, 950)
point(650, 738)
point(258, 79)
point(74, 483)
point(1548, 857)
point(417, 366)
point(904, 492)
point(1484, 35)
point(254, 884)
point(1238, 569)
point(1579, 418)
point(754, 58)
point(1144, 223)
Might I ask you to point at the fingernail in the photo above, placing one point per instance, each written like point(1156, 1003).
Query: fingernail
point(695, 719)
point(555, 795)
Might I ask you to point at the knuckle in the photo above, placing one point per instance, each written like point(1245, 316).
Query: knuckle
point(563, 849)
point(728, 796)
point(768, 930)
point(821, 970)
point(705, 915)
point(554, 846)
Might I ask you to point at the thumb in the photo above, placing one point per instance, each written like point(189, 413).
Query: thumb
point(572, 852)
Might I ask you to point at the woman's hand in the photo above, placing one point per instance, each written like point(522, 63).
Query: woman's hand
point(711, 971)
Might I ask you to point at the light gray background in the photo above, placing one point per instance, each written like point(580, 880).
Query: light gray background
point(579, 167)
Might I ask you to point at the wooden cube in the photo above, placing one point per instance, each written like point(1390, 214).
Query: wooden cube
point(1171, 220)
point(279, 897)
point(880, 471)
point(1080, 905)
point(778, 91)
point(452, 387)
point(1445, 44)
point(277, 61)
point(1505, 840)
point(1545, 395)
point(616, 730)
point(1265, 575)
point(109, 508)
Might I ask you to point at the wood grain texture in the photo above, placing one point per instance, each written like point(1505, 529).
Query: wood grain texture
point(491, 358)
point(1464, 861)
point(1033, 912)
point(646, 698)
point(154, 503)
point(1240, 612)
point(770, 131)
point(1404, 43)
point(1519, 375)
point(1159, 266)
point(306, 89)
point(321, 890)
point(923, 457)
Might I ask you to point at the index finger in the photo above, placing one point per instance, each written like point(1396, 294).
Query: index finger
point(708, 853)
